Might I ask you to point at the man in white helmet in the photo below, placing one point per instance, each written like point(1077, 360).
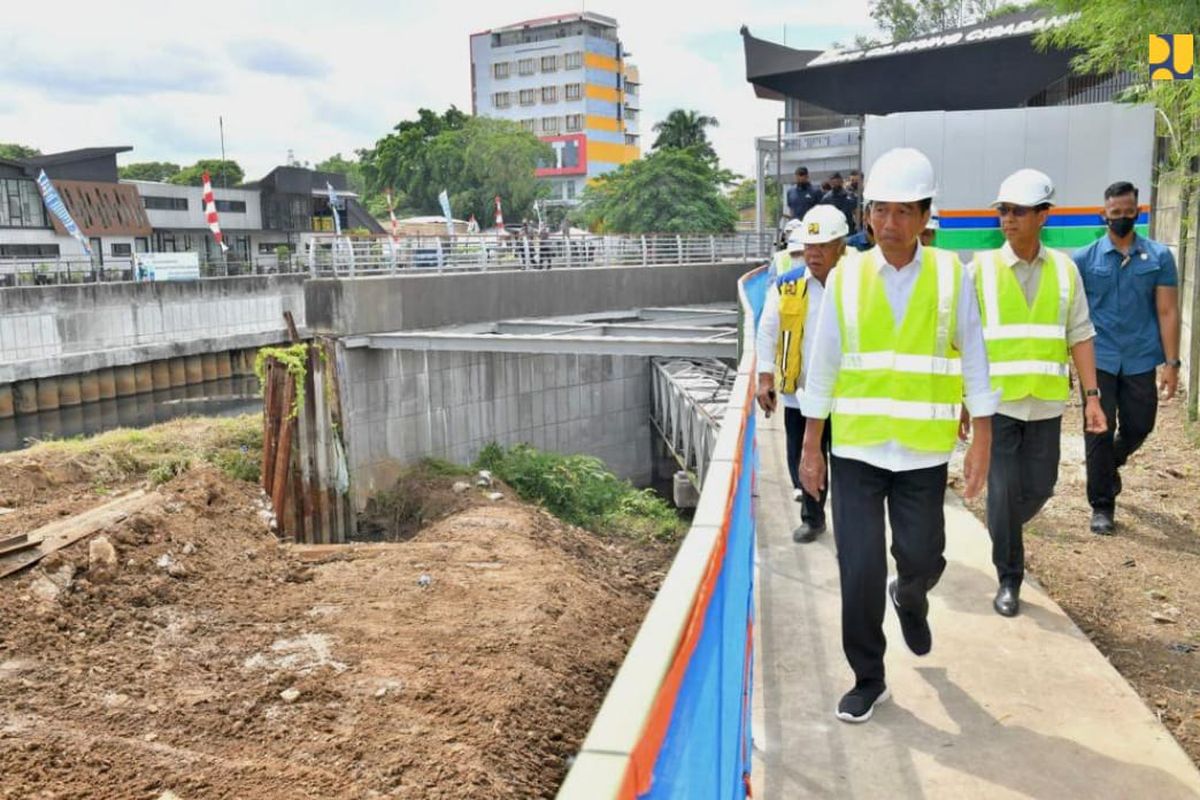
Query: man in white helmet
point(898, 346)
point(784, 343)
point(1035, 317)
point(931, 227)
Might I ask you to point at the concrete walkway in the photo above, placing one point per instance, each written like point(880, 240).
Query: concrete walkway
point(1001, 708)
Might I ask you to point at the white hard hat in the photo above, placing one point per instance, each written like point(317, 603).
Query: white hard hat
point(795, 242)
point(823, 223)
point(791, 225)
point(1026, 187)
point(935, 221)
point(901, 175)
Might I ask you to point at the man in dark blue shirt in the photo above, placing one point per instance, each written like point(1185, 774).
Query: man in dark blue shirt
point(846, 202)
point(803, 196)
point(1133, 294)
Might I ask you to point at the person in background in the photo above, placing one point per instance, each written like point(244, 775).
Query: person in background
point(783, 344)
point(839, 198)
point(1035, 318)
point(863, 240)
point(1132, 289)
point(802, 196)
point(854, 186)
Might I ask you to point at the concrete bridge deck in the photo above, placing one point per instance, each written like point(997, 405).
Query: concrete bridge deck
point(1020, 708)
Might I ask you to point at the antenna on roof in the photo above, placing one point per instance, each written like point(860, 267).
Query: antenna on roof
point(221, 123)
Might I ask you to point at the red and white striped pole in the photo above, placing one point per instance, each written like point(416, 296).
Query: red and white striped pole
point(210, 213)
point(499, 214)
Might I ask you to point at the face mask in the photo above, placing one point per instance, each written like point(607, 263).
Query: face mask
point(1121, 226)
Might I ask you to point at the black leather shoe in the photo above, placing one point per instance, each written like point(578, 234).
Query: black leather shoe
point(1102, 523)
point(808, 532)
point(1007, 601)
point(914, 626)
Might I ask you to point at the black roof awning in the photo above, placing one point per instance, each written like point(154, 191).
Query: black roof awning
point(990, 65)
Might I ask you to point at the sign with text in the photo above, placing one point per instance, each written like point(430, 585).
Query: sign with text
point(570, 155)
point(168, 266)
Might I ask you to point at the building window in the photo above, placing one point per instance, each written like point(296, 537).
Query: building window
point(529, 125)
point(28, 250)
point(271, 248)
point(121, 250)
point(231, 206)
point(502, 99)
point(549, 94)
point(574, 122)
point(631, 114)
point(152, 203)
point(525, 66)
point(631, 139)
point(500, 70)
point(549, 63)
point(570, 190)
point(549, 124)
point(574, 91)
point(573, 61)
point(528, 97)
point(21, 204)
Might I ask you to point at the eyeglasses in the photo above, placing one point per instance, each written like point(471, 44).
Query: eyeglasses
point(1004, 210)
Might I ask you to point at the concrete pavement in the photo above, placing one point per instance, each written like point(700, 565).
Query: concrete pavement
point(1001, 708)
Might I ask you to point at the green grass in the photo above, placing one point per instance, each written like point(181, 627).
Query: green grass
point(232, 444)
point(581, 491)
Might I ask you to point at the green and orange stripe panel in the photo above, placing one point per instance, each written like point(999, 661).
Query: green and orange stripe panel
point(1067, 227)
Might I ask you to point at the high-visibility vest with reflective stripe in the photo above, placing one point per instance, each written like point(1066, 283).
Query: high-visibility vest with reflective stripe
point(898, 383)
point(793, 308)
point(1026, 344)
point(781, 262)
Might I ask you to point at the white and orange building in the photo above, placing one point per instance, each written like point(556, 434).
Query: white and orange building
point(567, 79)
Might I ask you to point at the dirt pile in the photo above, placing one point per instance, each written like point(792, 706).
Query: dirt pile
point(211, 661)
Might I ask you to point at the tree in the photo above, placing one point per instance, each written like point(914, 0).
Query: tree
point(223, 173)
point(683, 129)
point(745, 195)
point(17, 151)
point(909, 19)
point(352, 169)
point(148, 171)
point(669, 191)
point(472, 158)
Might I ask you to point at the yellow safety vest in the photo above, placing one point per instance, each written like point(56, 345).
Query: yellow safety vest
point(1026, 344)
point(789, 350)
point(901, 384)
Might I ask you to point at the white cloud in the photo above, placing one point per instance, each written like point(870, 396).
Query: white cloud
point(323, 77)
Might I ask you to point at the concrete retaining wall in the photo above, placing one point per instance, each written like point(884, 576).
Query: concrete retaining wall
point(48, 331)
point(402, 405)
point(414, 301)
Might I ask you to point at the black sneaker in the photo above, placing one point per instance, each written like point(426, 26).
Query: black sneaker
point(808, 532)
point(1102, 523)
point(914, 626)
point(858, 704)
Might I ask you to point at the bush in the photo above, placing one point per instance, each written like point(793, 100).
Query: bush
point(580, 490)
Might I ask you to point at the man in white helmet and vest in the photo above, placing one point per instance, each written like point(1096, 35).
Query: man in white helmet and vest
point(899, 343)
point(1035, 317)
point(784, 343)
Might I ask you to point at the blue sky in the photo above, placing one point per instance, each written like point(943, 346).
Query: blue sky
point(318, 77)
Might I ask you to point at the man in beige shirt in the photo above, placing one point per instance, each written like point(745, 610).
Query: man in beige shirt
point(1035, 317)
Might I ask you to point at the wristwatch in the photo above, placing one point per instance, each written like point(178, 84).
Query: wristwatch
point(1174, 362)
point(1091, 392)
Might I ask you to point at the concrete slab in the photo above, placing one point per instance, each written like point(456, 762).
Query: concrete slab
point(1002, 708)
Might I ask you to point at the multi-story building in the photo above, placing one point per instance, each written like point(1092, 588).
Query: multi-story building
point(566, 79)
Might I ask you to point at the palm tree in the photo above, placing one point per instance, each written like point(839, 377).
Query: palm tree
point(682, 129)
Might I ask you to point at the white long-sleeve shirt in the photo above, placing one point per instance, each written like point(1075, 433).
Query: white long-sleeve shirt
point(825, 363)
point(767, 336)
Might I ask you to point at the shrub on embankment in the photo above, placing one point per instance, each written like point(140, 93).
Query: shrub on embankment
point(580, 490)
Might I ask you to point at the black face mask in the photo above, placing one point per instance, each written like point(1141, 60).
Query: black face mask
point(1120, 226)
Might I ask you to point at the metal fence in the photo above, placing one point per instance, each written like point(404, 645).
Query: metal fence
point(347, 256)
point(344, 256)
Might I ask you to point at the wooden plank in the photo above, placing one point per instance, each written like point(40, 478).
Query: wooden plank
point(64, 532)
point(9, 540)
point(17, 545)
point(283, 453)
point(270, 425)
point(322, 479)
point(345, 507)
point(293, 334)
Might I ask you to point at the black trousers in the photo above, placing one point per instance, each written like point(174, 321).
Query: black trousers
point(1130, 403)
point(1021, 479)
point(812, 510)
point(913, 502)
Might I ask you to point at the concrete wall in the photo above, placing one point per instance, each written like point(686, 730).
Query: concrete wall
point(56, 330)
point(414, 301)
point(402, 405)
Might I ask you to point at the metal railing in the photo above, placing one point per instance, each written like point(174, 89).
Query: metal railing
point(688, 400)
point(349, 256)
point(61, 271)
